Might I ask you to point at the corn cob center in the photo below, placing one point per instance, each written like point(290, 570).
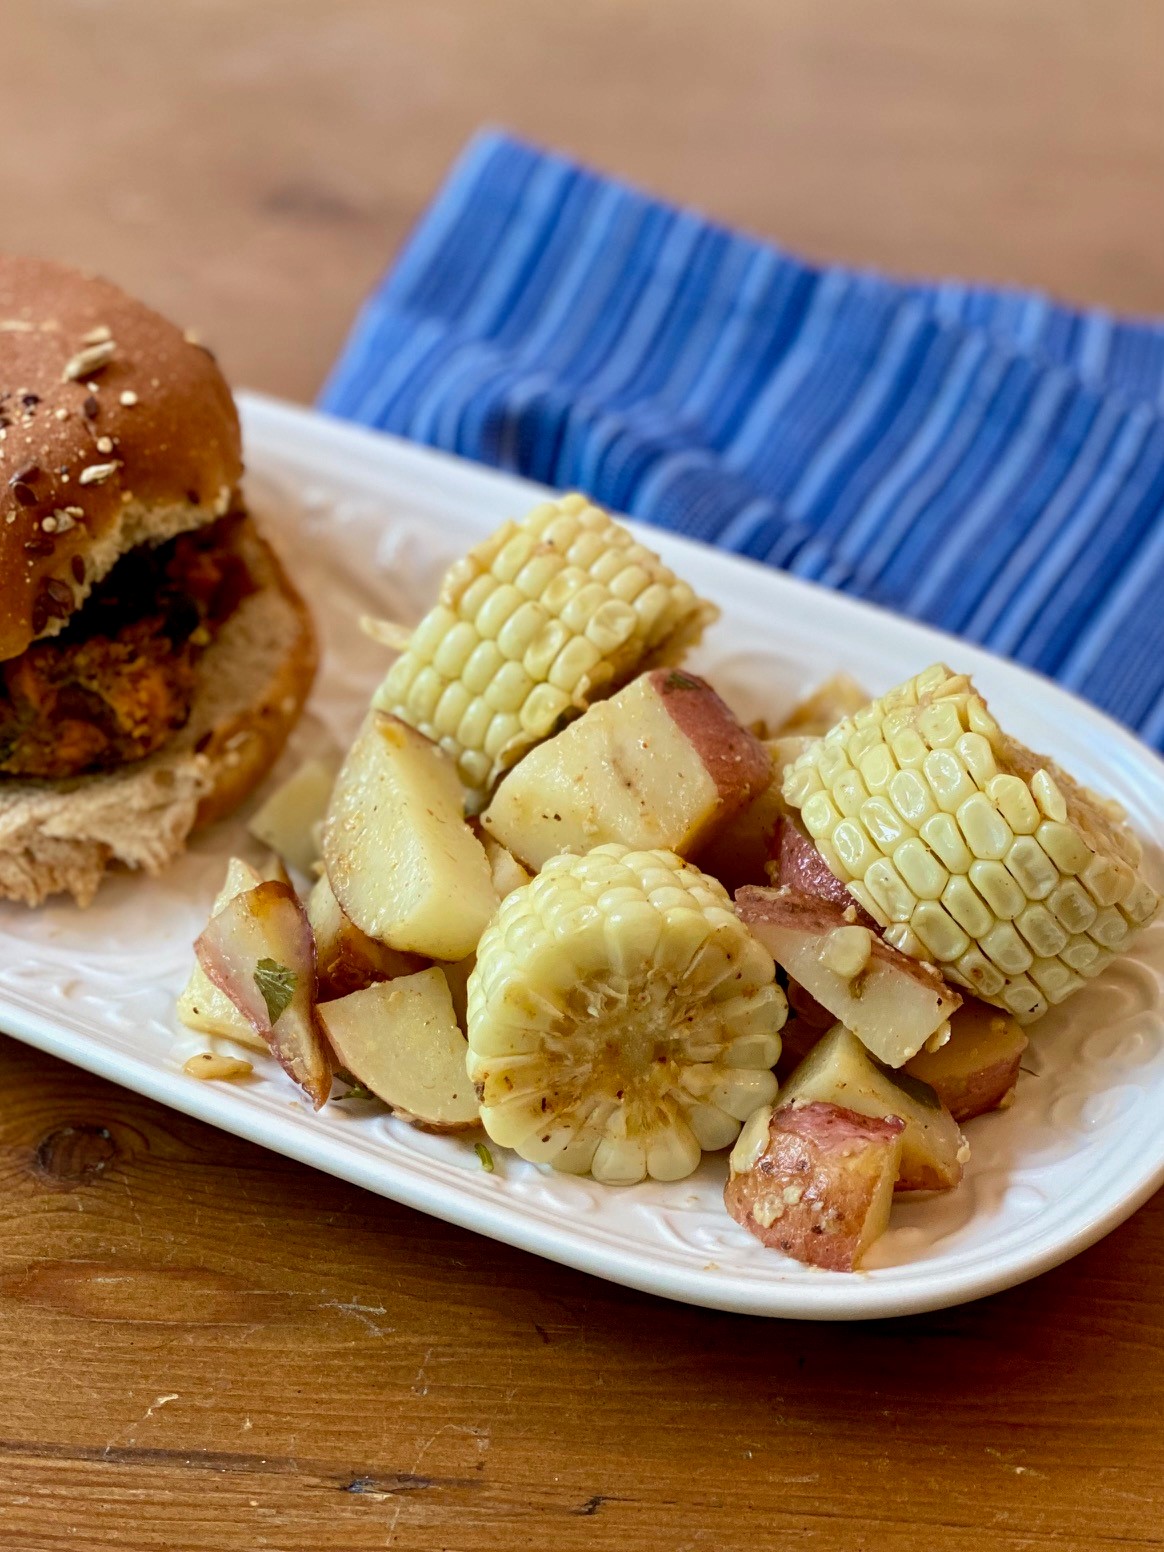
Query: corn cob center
point(621, 1017)
point(969, 849)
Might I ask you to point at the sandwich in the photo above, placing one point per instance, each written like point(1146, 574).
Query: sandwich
point(154, 655)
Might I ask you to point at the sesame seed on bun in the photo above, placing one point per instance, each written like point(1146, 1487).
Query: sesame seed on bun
point(116, 429)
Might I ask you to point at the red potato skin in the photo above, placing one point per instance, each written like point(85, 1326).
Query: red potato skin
point(737, 762)
point(347, 960)
point(798, 1037)
point(797, 863)
point(835, 1160)
point(970, 1089)
point(980, 1094)
point(806, 1007)
point(271, 919)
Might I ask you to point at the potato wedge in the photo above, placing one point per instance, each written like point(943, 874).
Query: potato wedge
point(663, 763)
point(201, 1005)
point(507, 873)
point(288, 821)
point(258, 950)
point(978, 1067)
point(840, 1071)
point(346, 958)
point(457, 975)
point(895, 1004)
point(815, 1181)
point(403, 864)
point(830, 703)
point(400, 1039)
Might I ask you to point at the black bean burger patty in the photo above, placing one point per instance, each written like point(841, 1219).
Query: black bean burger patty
point(119, 680)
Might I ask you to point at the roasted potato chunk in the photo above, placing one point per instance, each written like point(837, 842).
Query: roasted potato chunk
point(815, 1181)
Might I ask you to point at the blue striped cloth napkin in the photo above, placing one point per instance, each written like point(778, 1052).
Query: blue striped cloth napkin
point(985, 460)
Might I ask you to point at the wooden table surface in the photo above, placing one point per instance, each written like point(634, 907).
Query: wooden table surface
point(203, 1346)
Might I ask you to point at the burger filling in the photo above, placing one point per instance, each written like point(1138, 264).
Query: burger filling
point(119, 680)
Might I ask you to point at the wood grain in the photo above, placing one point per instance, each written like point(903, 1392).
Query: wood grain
point(250, 165)
point(204, 1347)
point(208, 1347)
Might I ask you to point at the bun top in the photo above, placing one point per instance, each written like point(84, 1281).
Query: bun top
point(116, 429)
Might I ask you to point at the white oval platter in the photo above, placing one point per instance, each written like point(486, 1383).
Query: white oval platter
point(367, 524)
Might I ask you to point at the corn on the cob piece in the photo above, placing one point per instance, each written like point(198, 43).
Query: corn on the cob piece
point(970, 850)
point(530, 626)
point(621, 1017)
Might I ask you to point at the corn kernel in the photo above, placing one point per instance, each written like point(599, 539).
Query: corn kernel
point(1054, 980)
point(651, 608)
point(1047, 795)
point(1003, 945)
point(483, 663)
point(909, 749)
point(996, 886)
point(427, 689)
point(1109, 928)
point(819, 814)
point(967, 907)
point(1107, 880)
point(942, 835)
point(542, 707)
point(522, 629)
point(500, 604)
point(853, 847)
point(1081, 954)
point(949, 781)
point(454, 703)
point(920, 869)
point(504, 728)
point(800, 783)
point(1065, 847)
point(866, 901)
point(1140, 903)
point(978, 758)
point(884, 824)
point(912, 798)
point(538, 572)
point(628, 582)
point(1012, 797)
point(890, 891)
point(431, 631)
point(976, 972)
point(847, 950)
point(862, 739)
point(513, 555)
point(987, 833)
point(539, 656)
point(1029, 864)
point(612, 625)
point(938, 930)
point(454, 649)
point(940, 725)
point(569, 581)
point(574, 665)
point(1072, 905)
point(979, 718)
point(1042, 932)
point(902, 937)
point(832, 763)
point(1025, 1000)
point(849, 793)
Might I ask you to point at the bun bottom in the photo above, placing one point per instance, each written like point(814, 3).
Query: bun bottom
point(61, 837)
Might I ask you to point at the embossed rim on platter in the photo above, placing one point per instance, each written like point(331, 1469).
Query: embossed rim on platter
point(1075, 1156)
